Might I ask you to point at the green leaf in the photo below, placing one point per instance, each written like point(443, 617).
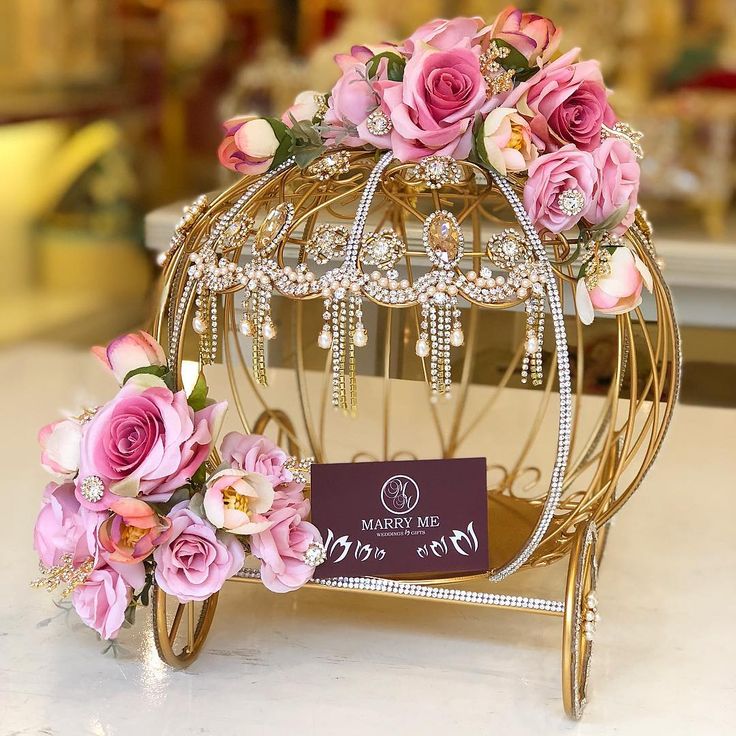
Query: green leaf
point(515, 59)
point(160, 371)
point(283, 134)
point(197, 399)
point(479, 147)
point(199, 478)
point(394, 70)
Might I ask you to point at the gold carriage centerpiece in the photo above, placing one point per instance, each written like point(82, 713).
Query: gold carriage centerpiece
point(437, 263)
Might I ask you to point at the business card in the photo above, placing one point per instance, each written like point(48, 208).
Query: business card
point(401, 517)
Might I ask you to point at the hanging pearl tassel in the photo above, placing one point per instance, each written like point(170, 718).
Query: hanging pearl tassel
point(533, 342)
point(263, 329)
point(440, 329)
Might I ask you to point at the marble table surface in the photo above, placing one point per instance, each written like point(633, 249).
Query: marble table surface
point(324, 663)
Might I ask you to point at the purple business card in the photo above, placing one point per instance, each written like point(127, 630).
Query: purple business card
point(402, 517)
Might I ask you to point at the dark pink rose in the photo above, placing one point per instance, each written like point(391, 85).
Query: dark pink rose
point(64, 527)
point(559, 190)
point(256, 454)
point(617, 187)
point(565, 102)
point(433, 109)
point(195, 561)
point(353, 99)
point(281, 548)
point(445, 34)
point(532, 35)
point(101, 601)
point(146, 441)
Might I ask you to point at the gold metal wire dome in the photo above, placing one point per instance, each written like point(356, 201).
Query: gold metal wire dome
point(623, 372)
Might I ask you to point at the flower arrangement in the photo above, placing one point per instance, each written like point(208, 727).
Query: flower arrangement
point(134, 503)
point(500, 95)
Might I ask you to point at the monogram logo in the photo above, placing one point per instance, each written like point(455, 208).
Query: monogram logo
point(400, 494)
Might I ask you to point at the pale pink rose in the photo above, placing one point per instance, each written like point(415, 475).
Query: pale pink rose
point(146, 441)
point(617, 188)
point(236, 500)
point(617, 293)
point(433, 109)
point(195, 561)
point(532, 35)
point(305, 107)
point(281, 548)
point(128, 352)
point(565, 102)
point(101, 601)
point(507, 141)
point(132, 532)
point(249, 145)
point(446, 34)
point(64, 527)
point(353, 99)
point(60, 443)
point(565, 170)
point(256, 454)
point(291, 495)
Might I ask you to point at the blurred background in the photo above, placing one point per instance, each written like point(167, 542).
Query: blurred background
point(110, 109)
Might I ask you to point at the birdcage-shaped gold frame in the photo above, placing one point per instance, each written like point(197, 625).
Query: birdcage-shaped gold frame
point(606, 456)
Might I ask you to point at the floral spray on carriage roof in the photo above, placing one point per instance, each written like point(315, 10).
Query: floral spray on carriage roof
point(461, 111)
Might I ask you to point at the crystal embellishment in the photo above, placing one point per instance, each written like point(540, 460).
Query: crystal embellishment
point(273, 228)
point(327, 242)
point(315, 554)
point(437, 171)
point(92, 488)
point(571, 202)
point(382, 249)
point(507, 248)
point(443, 239)
point(378, 123)
point(330, 165)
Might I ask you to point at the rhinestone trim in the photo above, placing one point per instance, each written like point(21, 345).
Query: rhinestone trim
point(413, 590)
point(565, 388)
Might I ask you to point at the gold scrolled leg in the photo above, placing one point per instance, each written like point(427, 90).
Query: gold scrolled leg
point(180, 629)
point(580, 619)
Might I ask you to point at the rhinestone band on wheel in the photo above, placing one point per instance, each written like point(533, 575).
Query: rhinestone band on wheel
point(563, 371)
point(428, 591)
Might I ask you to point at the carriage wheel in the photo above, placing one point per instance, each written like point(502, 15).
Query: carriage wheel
point(581, 617)
point(180, 629)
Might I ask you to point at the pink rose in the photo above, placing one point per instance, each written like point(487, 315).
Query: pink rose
point(281, 548)
point(507, 141)
point(618, 292)
point(146, 441)
point(306, 105)
point(132, 532)
point(445, 34)
point(249, 145)
point(565, 103)
point(64, 527)
point(433, 109)
point(353, 99)
point(195, 562)
point(128, 352)
point(101, 601)
point(235, 500)
point(60, 443)
point(617, 188)
point(256, 454)
point(532, 35)
point(291, 495)
point(559, 189)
